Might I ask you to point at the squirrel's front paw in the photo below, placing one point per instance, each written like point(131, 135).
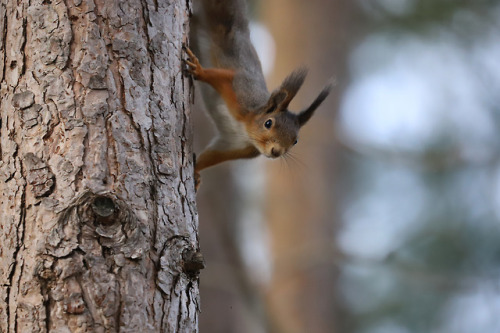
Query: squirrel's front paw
point(194, 66)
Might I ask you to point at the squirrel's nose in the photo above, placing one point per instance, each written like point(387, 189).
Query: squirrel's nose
point(275, 152)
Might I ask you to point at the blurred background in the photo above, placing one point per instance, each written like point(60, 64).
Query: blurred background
point(386, 219)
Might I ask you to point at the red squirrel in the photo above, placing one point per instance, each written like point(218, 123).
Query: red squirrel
point(250, 121)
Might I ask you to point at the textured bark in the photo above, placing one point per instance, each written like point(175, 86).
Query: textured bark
point(98, 223)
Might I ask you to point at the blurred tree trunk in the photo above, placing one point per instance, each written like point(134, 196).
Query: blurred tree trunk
point(301, 203)
point(98, 223)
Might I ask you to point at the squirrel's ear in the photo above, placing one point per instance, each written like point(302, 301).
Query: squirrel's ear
point(276, 100)
point(281, 97)
point(305, 115)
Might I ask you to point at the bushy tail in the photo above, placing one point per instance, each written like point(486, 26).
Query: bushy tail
point(221, 39)
point(225, 18)
point(225, 23)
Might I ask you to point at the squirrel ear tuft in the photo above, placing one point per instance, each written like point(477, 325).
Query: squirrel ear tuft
point(305, 115)
point(276, 100)
point(281, 97)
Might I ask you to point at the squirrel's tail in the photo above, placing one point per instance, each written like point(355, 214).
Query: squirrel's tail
point(225, 18)
point(226, 23)
point(221, 38)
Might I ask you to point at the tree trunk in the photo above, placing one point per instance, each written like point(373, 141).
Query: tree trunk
point(302, 202)
point(98, 223)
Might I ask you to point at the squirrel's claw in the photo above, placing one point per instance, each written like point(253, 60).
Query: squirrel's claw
point(194, 66)
point(196, 174)
point(189, 52)
point(197, 180)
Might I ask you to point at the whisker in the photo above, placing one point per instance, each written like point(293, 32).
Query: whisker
point(286, 162)
point(295, 160)
point(283, 165)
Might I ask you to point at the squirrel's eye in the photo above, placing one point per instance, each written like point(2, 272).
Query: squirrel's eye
point(268, 124)
point(295, 142)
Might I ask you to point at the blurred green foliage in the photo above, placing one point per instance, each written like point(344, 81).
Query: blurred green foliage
point(447, 250)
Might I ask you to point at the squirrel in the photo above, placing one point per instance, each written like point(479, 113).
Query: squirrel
point(249, 119)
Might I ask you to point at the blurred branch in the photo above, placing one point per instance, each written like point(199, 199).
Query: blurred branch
point(252, 294)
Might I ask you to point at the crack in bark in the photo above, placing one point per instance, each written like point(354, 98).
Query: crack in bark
point(113, 165)
point(47, 306)
point(111, 161)
point(69, 58)
point(184, 142)
point(179, 310)
point(149, 133)
point(111, 66)
point(23, 45)
point(118, 315)
point(44, 288)
point(19, 243)
point(85, 295)
point(146, 20)
point(162, 320)
point(4, 42)
point(8, 287)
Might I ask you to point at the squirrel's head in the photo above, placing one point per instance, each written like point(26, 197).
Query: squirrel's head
point(275, 129)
